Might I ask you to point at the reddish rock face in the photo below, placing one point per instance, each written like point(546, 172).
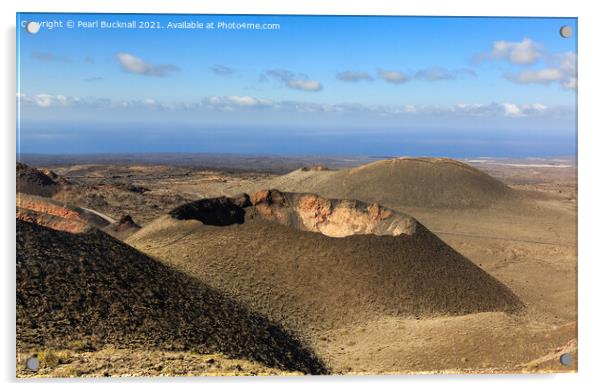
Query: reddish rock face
point(74, 226)
point(310, 212)
point(262, 196)
point(42, 206)
point(50, 213)
point(345, 218)
point(314, 211)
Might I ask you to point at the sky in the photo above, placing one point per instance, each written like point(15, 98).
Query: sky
point(94, 83)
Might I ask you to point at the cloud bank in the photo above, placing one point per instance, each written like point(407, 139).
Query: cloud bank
point(242, 103)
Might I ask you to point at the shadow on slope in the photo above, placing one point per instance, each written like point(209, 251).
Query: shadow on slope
point(92, 287)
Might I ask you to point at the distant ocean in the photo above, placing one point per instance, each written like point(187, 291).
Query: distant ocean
point(296, 141)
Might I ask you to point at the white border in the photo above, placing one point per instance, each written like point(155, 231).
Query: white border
point(589, 179)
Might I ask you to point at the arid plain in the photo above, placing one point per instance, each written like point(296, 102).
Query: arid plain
point(268, 265)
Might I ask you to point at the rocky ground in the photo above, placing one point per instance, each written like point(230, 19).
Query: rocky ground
point(111, 362)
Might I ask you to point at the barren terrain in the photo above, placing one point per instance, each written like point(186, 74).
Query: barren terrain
point(512, 223)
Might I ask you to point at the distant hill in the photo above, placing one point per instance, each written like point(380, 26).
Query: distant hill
point(415, 182)
point(92, 289)
point(313, 263)
point(41, 182)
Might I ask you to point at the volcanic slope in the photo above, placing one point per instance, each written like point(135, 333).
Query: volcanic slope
point(93, 288)
point(413, 182)
point(38, 182)
point(35, 203)
point(312, 263)
point(58, 215)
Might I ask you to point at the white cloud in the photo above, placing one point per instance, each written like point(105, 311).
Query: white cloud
point(525, 52)
point(248, 101)
point(132, 64)
point(394, 77)
point(235, 101)
point(562, 69)
point(305, 85)
point(152, 104)
point(48, 100)
point(512, 110)
point(566, 61)
point(570, 84)
point(45, 100)
point(524, 110)
point(541, 76)
point(291, 80)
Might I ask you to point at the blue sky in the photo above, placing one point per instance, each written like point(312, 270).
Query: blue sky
point(312, 85)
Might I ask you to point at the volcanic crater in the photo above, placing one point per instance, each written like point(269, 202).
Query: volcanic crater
point(302, 211)
point(313, 263)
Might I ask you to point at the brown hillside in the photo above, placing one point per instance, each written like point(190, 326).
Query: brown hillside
point(93, 289)
point(40, 182)
point(415, 182)
point(317, 265)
